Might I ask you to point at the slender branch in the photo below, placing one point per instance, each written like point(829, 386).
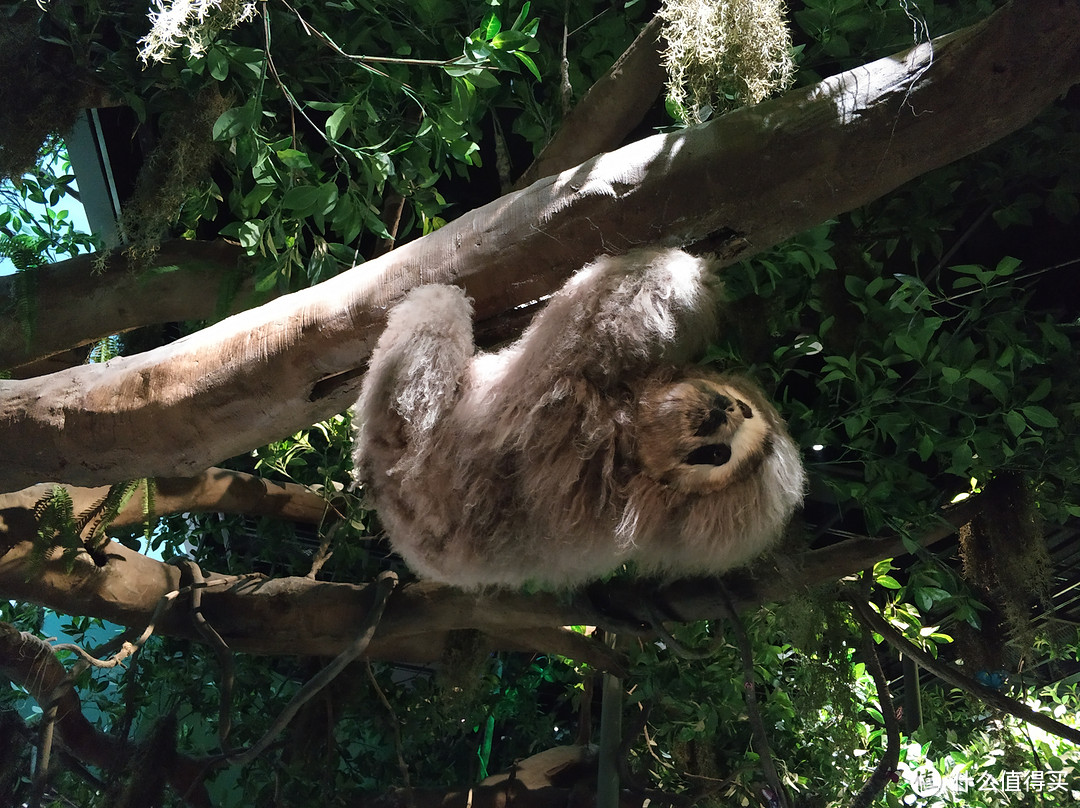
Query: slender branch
point(311, 30)
point(214, 640)
point(45, 742)
point(757, 725)
point(395, 729)
point(889, 761)
point(950, 675)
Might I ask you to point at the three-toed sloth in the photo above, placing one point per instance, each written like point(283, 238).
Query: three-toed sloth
point(588, 443)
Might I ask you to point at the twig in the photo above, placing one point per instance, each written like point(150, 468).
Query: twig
point(676, 646)
point(322, 555)
point(631, 781)
point(366, 61)
point(384, 585)
point(395, 728)
point(127, 648)
point(45, 740)
point(948, 674)
point(221, 649)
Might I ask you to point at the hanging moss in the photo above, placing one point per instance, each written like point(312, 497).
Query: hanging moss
point(724, 53)
point(1004, 553)
point(179, 164)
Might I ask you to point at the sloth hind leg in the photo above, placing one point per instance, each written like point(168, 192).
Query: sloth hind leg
point(624, 314)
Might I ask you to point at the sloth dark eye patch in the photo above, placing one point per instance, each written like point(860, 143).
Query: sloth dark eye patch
point(712, 454)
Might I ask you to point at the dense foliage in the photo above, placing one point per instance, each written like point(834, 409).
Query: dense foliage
point(922, 349)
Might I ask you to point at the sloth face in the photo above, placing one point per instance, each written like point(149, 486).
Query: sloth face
point(703, 434)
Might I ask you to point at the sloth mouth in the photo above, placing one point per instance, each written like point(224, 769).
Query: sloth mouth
point(712, 454)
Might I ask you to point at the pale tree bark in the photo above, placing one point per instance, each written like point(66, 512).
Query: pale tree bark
point(74, 302)
point(746, 181)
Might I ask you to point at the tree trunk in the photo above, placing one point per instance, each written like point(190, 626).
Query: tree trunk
point(746, 180)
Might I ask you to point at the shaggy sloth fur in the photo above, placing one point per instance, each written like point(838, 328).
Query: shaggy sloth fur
point(587, 443)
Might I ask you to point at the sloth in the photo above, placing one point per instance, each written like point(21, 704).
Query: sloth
point(588, 443)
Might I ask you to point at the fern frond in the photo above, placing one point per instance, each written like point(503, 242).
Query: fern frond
point(104, 511)
point(56, 527)
point(150, 493)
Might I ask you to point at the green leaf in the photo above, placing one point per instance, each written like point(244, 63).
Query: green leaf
point(522, 16)
point(855, 285)
point(247, 233)
point(234, 122)
point(509, 40)
point(301, 199)
point(326, 198)
point(988, 380)
point(339, 121)
point(526, 60)
point(218, 63)
point(908, 345)
point(1006, 266)
point(490, 26)
point(1016, 423)
point(1041, 391)
point(294, 158)
point(1040, 416)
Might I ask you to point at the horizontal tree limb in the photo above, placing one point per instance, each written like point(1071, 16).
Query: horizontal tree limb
point(320, 618)
point(755, 176)
point(215, 490)
point(74, 302)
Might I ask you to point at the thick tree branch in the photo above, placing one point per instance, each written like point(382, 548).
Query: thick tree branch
point(214, 491)
point(748, 179)
point(70, 303)
point(320, 618)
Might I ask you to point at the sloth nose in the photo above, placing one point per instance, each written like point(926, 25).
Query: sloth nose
point(717, 417)
point(721, 407)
